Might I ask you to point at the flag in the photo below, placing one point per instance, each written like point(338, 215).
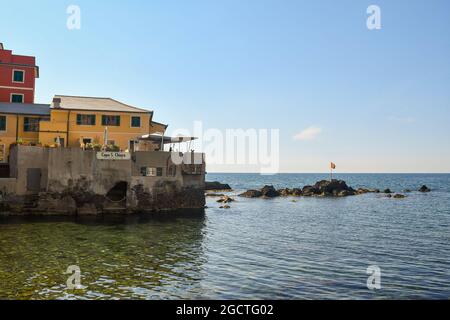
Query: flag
point(333, 166)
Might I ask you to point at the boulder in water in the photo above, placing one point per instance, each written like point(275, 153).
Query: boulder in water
point(251, 194)
point(388, 191)
point(424, 188)
point(216, 186)
point(399, 196)
point(269, 192)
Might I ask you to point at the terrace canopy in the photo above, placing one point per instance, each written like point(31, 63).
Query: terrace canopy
point(165, 139)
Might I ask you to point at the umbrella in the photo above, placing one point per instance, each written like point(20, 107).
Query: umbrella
point(105, 137)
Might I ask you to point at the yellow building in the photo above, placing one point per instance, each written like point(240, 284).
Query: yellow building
point(19, 123)
point(74, 122)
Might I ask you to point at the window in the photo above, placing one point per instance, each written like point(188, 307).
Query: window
point(110, 120)
point(151, 172)
point(2, 123)
point(87, 140)
point(17, 98)
point(86, 119)
point(135, 122)
point(30, 124)
point(19, 76)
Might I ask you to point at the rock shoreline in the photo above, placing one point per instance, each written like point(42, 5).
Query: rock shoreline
point(324, 188)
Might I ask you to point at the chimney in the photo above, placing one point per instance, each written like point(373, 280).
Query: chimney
point(56, 103)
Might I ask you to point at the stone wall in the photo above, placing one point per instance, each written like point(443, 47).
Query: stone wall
point(75, 182)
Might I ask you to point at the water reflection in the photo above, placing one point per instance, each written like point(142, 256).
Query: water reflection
point(120, 257)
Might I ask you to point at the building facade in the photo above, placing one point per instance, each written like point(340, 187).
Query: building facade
point(17, 77)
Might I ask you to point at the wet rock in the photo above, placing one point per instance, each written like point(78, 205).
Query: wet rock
point(424, 188)
point(225, 199)
point(88, 209)
point(214, 195)
point(309, 191)
point(285, 192)
point(407, 190)
point(399, 196)
point(251, 194)
point(345, 193)
point(216, 186)
point(388, 191)
point(225, 207)
point(269, 192)
point(296, 192)
point(389, 195)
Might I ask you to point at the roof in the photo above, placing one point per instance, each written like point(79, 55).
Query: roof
point(152, 123)
point(96, 104)
point(25, 108)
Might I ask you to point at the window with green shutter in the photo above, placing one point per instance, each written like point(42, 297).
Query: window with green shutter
point(18, 76)
point(135, 122)
point(17, 98)
point(2, 123)
point(110, 120)
point(86, 119)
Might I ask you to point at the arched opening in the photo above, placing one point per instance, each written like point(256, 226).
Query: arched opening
point(118, 192)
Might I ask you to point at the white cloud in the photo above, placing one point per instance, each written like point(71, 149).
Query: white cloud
point(309, 133)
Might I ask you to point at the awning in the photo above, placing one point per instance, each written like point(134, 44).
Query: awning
point(165, 139)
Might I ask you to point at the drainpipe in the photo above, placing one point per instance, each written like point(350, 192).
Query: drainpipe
point(68, 128)
point(17, 127)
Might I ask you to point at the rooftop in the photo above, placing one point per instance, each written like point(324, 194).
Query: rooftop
point(94, 104)
point(25, 108)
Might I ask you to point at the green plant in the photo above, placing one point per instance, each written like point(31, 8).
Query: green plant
point(112, 147)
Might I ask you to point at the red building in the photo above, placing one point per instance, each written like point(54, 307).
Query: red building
point(17, 77)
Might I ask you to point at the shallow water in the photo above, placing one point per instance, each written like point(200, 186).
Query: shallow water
point(310, 249)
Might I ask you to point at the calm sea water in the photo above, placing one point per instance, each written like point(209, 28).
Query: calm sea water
point(314, 248)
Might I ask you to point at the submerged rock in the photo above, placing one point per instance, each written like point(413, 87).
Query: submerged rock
point(225, 207)
point(251, 194)
point(215, 186)
point(424, 188)
point(388, 191)
point(399, 196)
point(214, 195)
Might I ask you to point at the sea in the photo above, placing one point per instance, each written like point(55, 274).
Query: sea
point(359, 247)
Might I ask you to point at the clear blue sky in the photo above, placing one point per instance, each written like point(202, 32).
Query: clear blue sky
point(380, 98)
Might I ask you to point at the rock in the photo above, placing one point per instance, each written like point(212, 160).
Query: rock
point(345, 193)
point(251, 194)
point(269, 192)
point(332, 188)
point(225, 199)
point(399, 196)
point(387, 191)
point(225, 207)
point(285, 192)
point(309, 191)
point(214, 195)
point(216, 186)
point(296, 192)
point(424, 188)
point(407, 190)
point(389, 195)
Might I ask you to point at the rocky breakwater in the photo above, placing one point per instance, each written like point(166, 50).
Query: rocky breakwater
point(324, 188)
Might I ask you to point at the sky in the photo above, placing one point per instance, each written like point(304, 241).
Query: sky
point(368, 100)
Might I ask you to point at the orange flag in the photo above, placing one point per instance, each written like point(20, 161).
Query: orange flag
point(333, 166)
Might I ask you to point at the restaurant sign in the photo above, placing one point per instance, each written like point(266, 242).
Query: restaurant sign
point(113, 155)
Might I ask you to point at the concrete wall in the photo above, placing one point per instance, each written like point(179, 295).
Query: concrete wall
point(74, 181)
point(23, 158)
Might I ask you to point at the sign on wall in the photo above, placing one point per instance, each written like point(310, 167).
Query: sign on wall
point(106, 155)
